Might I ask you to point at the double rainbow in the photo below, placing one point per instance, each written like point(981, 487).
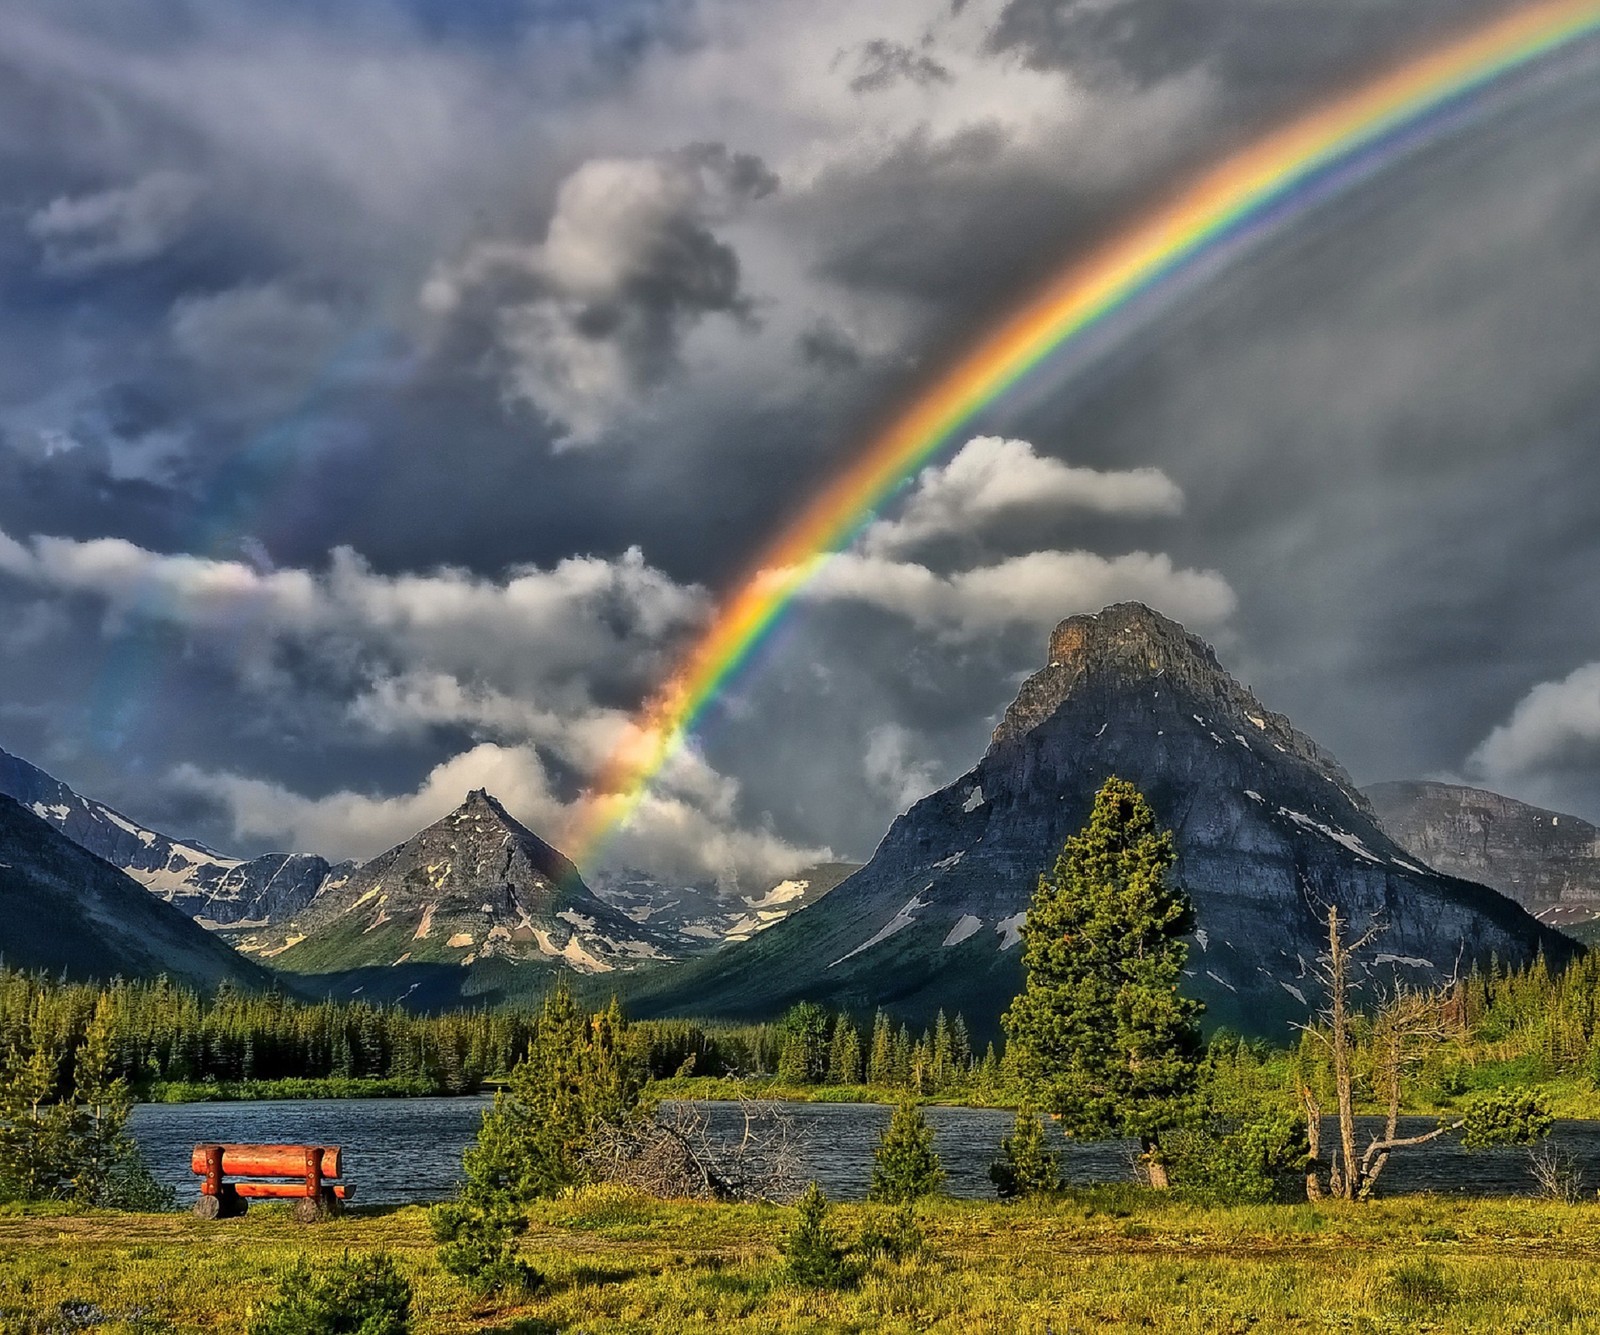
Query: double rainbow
point(1258, 189)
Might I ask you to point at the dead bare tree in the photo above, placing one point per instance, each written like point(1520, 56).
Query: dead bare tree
point(1406, 1024)
point(677, 1155)
point(1333, 967)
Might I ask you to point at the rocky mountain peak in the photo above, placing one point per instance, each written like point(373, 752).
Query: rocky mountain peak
point(1133, 641)
point(1110, 660)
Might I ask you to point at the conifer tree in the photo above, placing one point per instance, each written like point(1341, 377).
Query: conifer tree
point(880, 1068)
point(905, 1165)
point(844, 1061)
point(1099, 1033)
point(1027, 1166)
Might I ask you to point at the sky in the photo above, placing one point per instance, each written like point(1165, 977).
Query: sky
point(390, 390)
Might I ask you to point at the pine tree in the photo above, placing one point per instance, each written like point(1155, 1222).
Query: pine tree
point(812, 1255)
point(1027, 1166)
point(880, 1069)
point(1100, 1034)
point(844, 1061)
point(804, 1059)
point(905, 1165)
point(941, 1068)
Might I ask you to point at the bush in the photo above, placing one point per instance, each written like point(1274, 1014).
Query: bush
point(904, 1166)
point(812, 1256)
point(1518, 1116)
point(130, 1186)
point(1026, 1167)
point(1240, 1161)
point(893, 1233)
point(478, 1245)
point(364, 1294)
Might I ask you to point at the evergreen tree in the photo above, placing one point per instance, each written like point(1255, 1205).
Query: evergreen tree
point(804, 1059)
point(812, 1255)
point(904, 1165)
point(1027, 1166)
point(1100, 1034)
point(942, 1066)
point(844, 1061)
point(880, 1069)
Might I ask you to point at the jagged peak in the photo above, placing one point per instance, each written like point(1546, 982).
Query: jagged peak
point(1129, 646)
point(1134, 639)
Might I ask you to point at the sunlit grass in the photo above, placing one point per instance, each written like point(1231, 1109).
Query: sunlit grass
point(1107, 1259)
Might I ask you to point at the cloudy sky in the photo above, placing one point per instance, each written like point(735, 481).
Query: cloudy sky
point(389, 390)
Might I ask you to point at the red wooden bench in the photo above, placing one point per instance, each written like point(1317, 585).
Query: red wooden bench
point(309, 1167)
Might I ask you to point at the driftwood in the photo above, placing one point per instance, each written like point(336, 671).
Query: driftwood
point(675, 1155)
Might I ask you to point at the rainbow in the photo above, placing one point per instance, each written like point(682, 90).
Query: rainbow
point(1258, 189)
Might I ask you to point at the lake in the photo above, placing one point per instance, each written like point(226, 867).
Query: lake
point(399, 1151)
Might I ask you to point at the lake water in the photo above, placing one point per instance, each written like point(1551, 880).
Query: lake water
point(399, 1151)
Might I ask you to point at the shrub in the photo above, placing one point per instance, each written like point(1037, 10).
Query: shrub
point(1240, 1161)
point(1517, 1116)
point(892, 1233)
point(478, 1245)
point(362, 1294)
point(905, 1166)
point(812, 1255)
point(1026, 1166)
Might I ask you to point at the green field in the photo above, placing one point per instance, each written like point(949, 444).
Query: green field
point(1113, 1259)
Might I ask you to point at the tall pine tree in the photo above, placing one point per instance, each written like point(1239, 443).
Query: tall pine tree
point(1099, 1033)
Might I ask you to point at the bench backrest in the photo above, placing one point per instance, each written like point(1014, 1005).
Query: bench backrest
point(269, 1160)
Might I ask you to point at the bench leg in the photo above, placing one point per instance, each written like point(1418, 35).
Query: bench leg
point(227, 1204)
point(313, 1210)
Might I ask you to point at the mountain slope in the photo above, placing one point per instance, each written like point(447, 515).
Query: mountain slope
point(1268, 828)
point(1548, 862)
point(63, 909)
point(697, 918)
point(202, 883)
point(472, 887)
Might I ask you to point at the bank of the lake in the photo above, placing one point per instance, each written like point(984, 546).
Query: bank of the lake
point(1098, 1260)
point(405, 1151)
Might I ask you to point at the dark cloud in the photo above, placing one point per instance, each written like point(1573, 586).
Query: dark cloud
point(881, 64)
point(218, 246)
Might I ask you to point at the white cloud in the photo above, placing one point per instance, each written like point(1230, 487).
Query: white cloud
point(1034, 590)
point(118, 226)
point(894, 768)
point(1556, 723)
point(668, 834)
point(593, 317)
point(990, 477)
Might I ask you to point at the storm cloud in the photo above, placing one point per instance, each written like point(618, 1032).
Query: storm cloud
point(390, 393)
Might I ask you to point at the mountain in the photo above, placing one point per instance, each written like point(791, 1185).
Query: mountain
point(1548, 862)
point(64, 910)
point(1268, 827)
point(474, 887)
point(697, 918)
point(202, 883)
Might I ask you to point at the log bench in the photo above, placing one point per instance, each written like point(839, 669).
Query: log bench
point(308, 1166)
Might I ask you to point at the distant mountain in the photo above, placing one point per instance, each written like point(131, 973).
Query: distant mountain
point(697, 918)
point(1269, 828)
point(64, 910)
point(473, 887)
point(203, 883)
point(1548, 862)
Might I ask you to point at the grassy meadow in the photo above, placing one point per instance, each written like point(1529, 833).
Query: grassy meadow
point(1109, 1259)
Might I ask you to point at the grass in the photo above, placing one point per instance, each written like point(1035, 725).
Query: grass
point(1108, 1259)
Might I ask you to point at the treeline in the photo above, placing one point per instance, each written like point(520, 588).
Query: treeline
point(814, 1046)
point(158, 1032)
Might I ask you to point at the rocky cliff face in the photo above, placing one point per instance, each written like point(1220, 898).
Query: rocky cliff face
point(475, 886)
point(202, 883)
point(1269, 829)
point(1549, 863)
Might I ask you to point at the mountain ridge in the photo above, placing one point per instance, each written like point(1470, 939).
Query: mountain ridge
point(1268, 827)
